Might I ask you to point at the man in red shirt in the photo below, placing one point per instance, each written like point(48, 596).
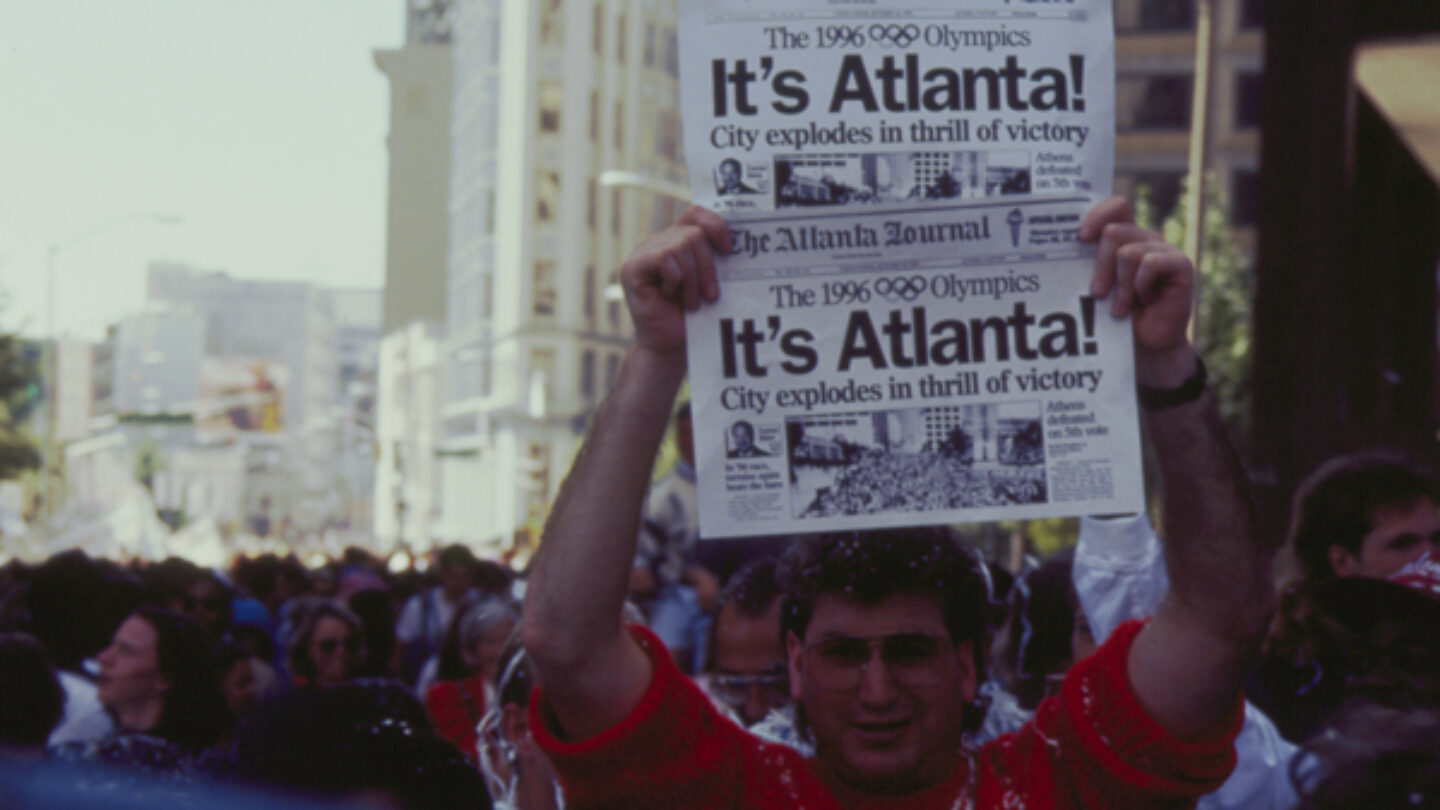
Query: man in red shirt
point(884, 672)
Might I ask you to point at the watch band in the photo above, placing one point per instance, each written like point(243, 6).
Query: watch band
point(1158, 399)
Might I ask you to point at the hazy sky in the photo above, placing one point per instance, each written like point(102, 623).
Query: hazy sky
point(260, 123)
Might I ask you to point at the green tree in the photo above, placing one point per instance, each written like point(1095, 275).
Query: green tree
point(1223, 308)
point(21, 393)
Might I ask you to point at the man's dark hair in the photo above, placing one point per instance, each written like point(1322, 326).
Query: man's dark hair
point(169, 581)
point(76, 602)
point(455, 555)
point(1335, 505)
point(367, 736)
point(730, 161)
point(749, 428)
point(868, 567)
point(1371, 756)
point(1042, 619)
point(31, 700)
point(752, 590)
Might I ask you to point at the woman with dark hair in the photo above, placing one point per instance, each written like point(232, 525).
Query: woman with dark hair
point(327, 645)
point(158, 677)
point(469, 664)
point(158, 682)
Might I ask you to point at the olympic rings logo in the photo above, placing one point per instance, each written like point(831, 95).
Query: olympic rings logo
point(906, 288)
point(896, 34)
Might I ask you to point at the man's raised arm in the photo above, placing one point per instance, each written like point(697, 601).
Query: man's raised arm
point(1187, 666)
point(593, 674)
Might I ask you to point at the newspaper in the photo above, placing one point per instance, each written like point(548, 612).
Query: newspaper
point(904, 335)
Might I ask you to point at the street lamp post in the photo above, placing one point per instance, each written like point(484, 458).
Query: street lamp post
point(623, 178)
point(51, 358)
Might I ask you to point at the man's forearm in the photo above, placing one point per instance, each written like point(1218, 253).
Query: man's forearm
point(1188, 665)
point(582, 571)
point(1218, 565)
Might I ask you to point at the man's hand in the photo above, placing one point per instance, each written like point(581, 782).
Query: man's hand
point(1153, 283)
point(670, 272)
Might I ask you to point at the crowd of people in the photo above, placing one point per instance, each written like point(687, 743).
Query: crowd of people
point(895, 668)
point(883, 481)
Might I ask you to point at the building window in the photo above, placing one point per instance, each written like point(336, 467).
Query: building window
point(590, 295)
point(1167, 15)
point(667, 134)
point(649, 44)
point(587, 374)
point(1245, 199)
point(551, 99)
point(1153, 102)
point(620, 39)
point(1162, 191)
point(1252, 14)
point(487, 212)
point(1249, 86)
point(544, 288)
point(547, 196)
point(672, 54)
point(615, 211)
point(597, 29)
point(612, 368)
point(552, 22)
point(487, 285)
point(619, 125)
point(592, 192)
point(594, 117)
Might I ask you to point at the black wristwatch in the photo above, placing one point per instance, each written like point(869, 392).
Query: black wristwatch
point(1158, 399)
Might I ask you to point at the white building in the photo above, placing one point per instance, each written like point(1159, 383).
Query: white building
point(546, 97)
point(406, 502)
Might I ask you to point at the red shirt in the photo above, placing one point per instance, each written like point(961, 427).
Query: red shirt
point(1092, 746)
point(455, 709)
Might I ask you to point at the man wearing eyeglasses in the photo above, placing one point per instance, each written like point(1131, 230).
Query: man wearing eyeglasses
point(747, 658)
point(885, 665)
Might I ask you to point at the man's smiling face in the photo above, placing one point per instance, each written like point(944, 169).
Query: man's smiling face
point(896, 727)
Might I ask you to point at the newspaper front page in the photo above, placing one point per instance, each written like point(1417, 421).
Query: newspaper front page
point(904, 335)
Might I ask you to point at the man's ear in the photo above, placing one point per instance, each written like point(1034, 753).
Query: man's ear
point(795, 663)
point(1342, 562)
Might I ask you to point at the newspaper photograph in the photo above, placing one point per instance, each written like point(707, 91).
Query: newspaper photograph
point(904, 335)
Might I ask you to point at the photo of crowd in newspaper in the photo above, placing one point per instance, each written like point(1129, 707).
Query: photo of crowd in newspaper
point(904, 335)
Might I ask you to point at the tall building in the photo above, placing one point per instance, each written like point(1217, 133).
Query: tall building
point(417, 218)
point(407, 422)
point(547, 95)
point(267, 379)
point(1155, 73)
point(287, 323)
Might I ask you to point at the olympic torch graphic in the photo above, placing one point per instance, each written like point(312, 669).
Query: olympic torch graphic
point(1015, 218)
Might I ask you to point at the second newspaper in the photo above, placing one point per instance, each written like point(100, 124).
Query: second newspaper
point(904, 334)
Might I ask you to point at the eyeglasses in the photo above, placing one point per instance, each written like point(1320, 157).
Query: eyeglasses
point(912, 659)
point(328, 646)
point(735, 689)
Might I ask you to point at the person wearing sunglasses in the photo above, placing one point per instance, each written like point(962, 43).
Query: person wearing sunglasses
point(327, 645)
point(884, 629)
